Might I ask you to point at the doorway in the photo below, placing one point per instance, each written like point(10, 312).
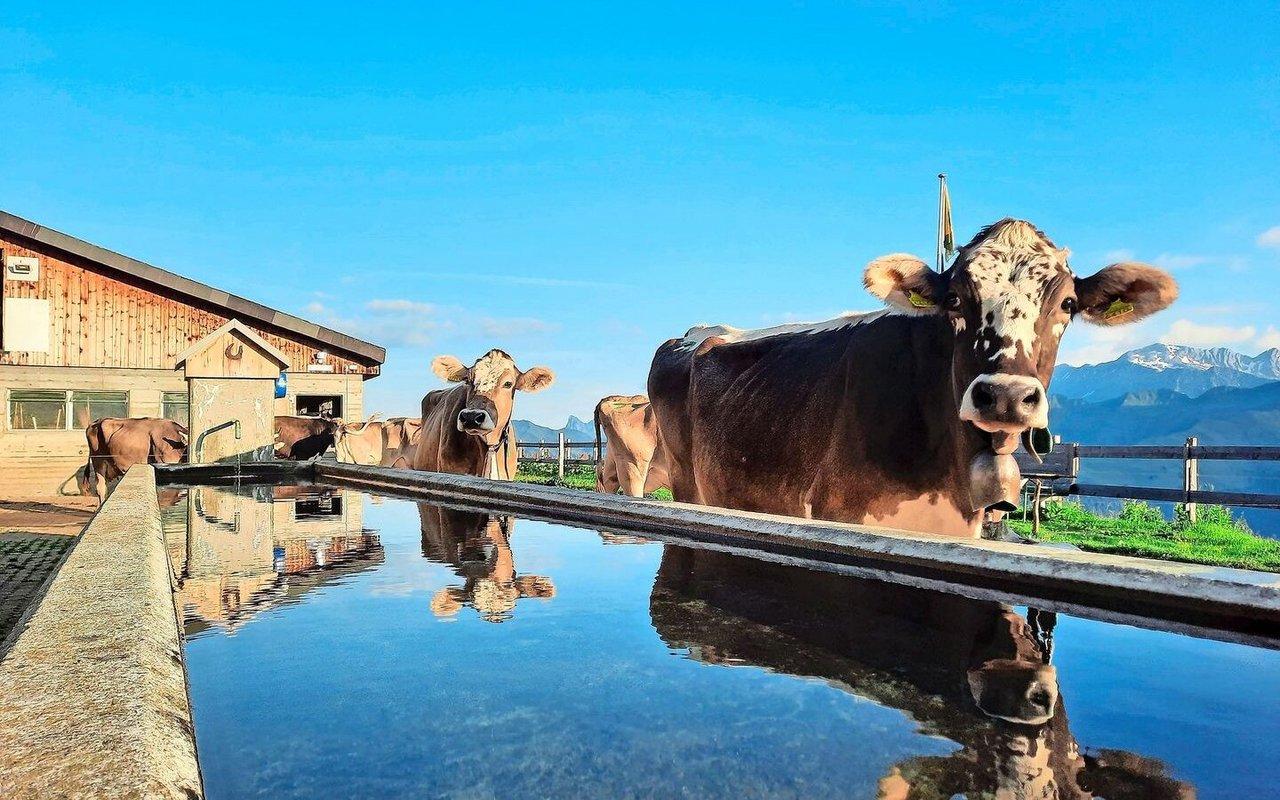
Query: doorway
point(319, 405)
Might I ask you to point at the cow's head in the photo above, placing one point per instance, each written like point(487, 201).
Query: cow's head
point(1009, 297)
point(492, 383)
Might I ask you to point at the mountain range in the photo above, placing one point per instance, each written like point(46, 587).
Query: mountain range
point(1189, 371)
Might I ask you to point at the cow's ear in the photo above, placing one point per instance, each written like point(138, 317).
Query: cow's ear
point(449, 369)
point(1124, 293)
point(535, 380)
point(904, 282)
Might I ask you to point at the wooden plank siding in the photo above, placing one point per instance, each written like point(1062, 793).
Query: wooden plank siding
point(112, 331)
point(97, 319)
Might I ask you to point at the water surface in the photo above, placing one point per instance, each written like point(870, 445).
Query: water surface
point(342, 646)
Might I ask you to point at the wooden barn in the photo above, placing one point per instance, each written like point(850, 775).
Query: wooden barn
point(88, 333)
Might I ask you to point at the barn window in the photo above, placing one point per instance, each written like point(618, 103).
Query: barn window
point(88, 406)
point(32, 410)
point(173, 405)
point(57, 410)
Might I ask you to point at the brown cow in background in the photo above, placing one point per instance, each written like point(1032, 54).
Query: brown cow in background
point(387, 443)
point(117, 443)
point(304, 438)
point(635, 460)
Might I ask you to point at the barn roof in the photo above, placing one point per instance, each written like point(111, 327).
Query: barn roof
point(172, 284)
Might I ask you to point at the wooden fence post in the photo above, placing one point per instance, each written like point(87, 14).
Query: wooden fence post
point(560, 458)
point(1190, 477)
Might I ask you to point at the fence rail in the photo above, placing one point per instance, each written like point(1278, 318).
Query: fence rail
point(1056, 472)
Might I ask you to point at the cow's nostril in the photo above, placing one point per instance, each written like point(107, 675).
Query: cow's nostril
point(983, 397)
point(1032, 398)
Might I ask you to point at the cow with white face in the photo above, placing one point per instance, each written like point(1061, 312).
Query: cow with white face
point(466, 429)
point(905, 417)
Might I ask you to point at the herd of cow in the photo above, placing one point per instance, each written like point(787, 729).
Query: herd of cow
point(906, 417)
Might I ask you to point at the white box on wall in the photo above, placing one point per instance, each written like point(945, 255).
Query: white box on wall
point(21, 268)
point(26, 325)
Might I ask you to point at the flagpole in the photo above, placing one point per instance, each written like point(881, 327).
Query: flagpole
point(942, 193)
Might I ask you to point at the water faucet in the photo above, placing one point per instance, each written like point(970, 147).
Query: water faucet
point(199, 448)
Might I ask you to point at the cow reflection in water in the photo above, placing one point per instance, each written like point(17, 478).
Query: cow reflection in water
point(972, 671)
point(478, 547)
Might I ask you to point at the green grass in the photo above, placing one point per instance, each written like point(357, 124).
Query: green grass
point(576, 476)
point(1216, 538)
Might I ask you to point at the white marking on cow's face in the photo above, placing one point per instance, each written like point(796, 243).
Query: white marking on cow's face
point(489, 371)
point(699, 334)
point(1010, 272)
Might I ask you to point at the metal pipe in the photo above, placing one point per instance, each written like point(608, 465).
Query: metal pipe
point(199, 448)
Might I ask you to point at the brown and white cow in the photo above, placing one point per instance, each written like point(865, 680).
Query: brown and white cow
point(905, 417)
point(117, 443)
point(634, 460)
point(466, 429)
point(303, 438)
point(386, 443)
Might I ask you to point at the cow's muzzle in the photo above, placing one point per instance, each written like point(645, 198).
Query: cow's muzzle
point(475, 420)
point(1005, 403)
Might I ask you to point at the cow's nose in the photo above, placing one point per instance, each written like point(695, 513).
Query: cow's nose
point(1005, 402)
point(470, 418)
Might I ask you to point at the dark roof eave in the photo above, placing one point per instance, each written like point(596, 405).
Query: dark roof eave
point(237, 306)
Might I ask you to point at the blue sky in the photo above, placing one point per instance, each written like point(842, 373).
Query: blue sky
point(576, 184)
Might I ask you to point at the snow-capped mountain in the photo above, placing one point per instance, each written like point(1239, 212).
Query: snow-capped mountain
point(1191, 371)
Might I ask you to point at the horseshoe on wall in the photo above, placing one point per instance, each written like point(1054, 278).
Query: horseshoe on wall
point(234, 351)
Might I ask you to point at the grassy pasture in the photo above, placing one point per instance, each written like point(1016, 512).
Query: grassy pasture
point(1216, 538)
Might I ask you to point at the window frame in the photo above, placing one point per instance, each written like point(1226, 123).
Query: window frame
point(69, 403)
point(166, 401)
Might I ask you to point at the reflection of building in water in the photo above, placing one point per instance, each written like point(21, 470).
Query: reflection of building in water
point(240, 551)
point(609, 537)
point(478, 548)
point(972, 671)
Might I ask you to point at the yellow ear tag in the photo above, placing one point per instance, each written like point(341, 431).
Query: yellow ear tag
point(1118, 308)
point(920, 301)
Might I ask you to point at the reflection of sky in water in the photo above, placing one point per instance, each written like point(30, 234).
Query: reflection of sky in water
point(360, 690)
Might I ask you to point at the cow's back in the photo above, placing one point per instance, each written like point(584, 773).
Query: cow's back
point(847, 422)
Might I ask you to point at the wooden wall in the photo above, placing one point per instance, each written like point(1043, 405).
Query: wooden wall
point(100, 321)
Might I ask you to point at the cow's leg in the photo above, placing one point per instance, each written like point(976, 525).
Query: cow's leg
point(607, 476)
point(632, 478)
point(101, 484)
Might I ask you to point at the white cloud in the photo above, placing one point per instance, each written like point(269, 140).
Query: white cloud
point(1268, 339)
point(1094, 344)
point(1184, 261)
point(1114, 256)
point(400, 307)
point(1184, 331)
point(1270, 237)
point(515, 326)
point(406, 323)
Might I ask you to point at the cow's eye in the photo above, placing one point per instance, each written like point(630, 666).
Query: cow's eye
point(951, 301)
point(508, 385)
point(1069, 305)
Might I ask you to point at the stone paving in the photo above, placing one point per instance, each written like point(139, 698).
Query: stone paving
point(34, 536)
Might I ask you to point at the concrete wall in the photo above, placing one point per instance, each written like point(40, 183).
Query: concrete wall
point(95, 704)
point(214, 401)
